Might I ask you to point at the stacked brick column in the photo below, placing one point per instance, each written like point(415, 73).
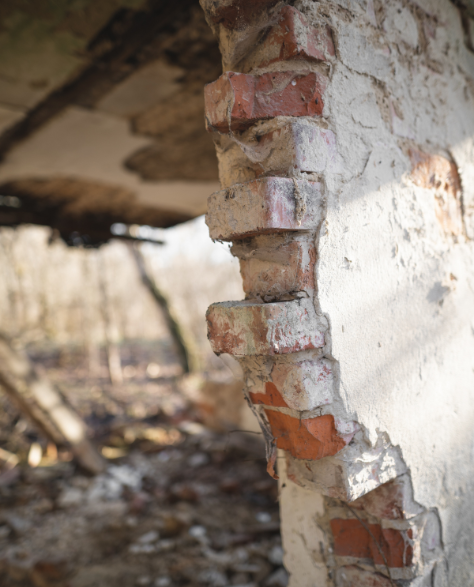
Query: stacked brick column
point(274, 146)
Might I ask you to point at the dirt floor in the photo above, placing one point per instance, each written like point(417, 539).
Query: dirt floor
point(178, 505)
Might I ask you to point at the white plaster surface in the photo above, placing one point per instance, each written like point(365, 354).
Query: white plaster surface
point(303, 540)
point(397, 290)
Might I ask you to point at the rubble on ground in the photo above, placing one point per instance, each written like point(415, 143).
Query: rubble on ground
point(178, 505)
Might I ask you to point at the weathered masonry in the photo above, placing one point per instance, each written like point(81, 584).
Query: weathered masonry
point(345, 137)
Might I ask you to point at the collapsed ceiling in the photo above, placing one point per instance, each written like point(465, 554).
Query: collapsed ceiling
point(102, 114)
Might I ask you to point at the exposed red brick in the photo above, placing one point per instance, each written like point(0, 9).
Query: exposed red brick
point(270, 273)
point(372, 542)
point(319, 44)
point(390, 501)
point(294, 38)
point(251, 328)
point(271, 397)
point(238, 14)
point(237, 100)
point(262, 206)
point(384, 502)
point(309, 439)
point(288, 145)
point(440, 175)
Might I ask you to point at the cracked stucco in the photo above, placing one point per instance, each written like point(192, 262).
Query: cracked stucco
point(405, 353)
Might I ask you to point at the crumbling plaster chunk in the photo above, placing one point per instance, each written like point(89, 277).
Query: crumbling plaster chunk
point(32, 51)
point(353, 472)
point(306, 384)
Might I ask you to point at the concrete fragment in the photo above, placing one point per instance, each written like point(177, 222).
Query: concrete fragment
point(213, 578)
point(142, 548)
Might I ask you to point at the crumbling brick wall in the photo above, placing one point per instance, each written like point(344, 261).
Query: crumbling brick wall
point(345, 137)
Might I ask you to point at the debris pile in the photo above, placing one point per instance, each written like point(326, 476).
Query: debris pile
point(178, 503)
